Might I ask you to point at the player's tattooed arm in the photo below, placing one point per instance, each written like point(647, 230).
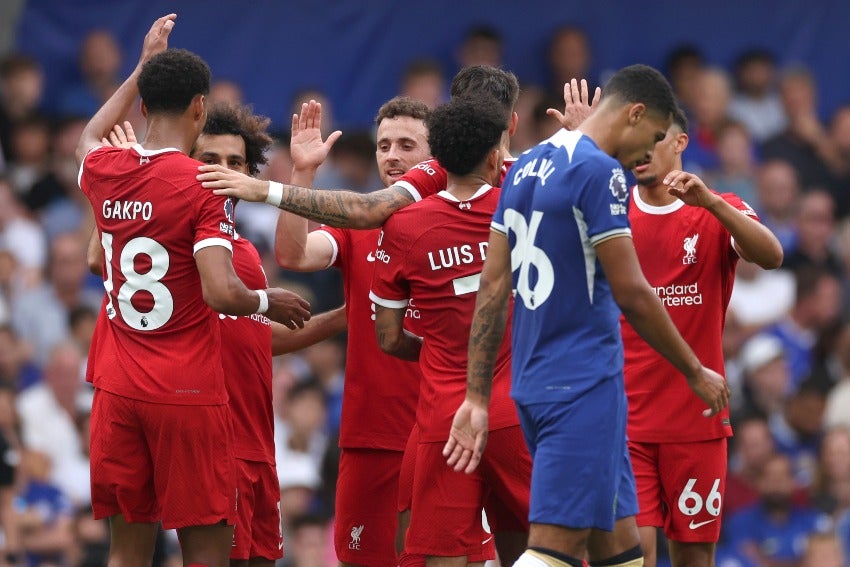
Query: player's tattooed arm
point(338, 208)
point(392, 337)
point(488, 323)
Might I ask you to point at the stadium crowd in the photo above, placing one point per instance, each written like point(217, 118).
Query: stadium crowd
point(754, 131)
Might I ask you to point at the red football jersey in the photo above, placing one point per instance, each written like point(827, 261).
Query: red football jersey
point(688, 258)
point(429, 178)
point(159, 341)
point(380, 393)
point(247, 361)
point(434, 251)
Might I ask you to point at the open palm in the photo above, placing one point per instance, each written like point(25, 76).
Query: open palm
point(306, 145)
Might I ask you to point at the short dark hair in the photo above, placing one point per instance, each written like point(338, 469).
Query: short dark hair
point(502, 86)
point(680, 120)
point(171, 79)
point(642, 84)
point(462, 132)
point(402, 106)
point(238, 120)
point(16, 63)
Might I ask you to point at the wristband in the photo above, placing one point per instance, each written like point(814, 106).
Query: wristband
point(275, 195)
point(264, 301)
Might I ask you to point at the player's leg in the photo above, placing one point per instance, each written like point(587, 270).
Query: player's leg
point(693, 479)
point(644, 458)
point(122, 474)
point(207, 545)
point(366, 519)
point(266, 544)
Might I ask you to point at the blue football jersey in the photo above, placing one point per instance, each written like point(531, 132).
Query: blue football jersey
point(559, 200)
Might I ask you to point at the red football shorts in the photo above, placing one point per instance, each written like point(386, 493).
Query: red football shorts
point(446, 513)
point(476, 554)
point(257, 532)
point(152, 462)
point(366, 515)
point(680, 487)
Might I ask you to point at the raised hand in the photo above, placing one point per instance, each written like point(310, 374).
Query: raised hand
point(287, 308)
point(120, 137)
point(306, 146)
point(689, 188)
point(713, 389)
point(156, 40)
point(467, 438)
point(231, 183)
point(577, 104)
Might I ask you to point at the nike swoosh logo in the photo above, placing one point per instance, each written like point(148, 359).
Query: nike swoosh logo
point(694, 526)
point(486, 540)
point(370, 257)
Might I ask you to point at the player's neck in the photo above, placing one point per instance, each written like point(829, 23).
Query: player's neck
point(464, 187)
point(506, 150)
point(167, 132)
point(655, 195)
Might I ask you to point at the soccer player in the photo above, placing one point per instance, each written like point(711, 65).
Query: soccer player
point(161, 447)
point(560, 238)
point(348, 209)
point(688, 240)
point(433, 251)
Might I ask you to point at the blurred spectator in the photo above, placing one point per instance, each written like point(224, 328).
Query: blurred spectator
point(48, 412)
point(766, 376)
point(816, 309)
point(837, 412)
point(752, 285)
point(16, 367)
point(842, 245)
point(756, 102)
point(797, 431)
point(839, 160)
point(351, 165)
point(805, 141)
point(751, 449)
point(482, 45)
point(815, 235)
point(10, 454)
point(778, 189)
point(423, 80)
point(710, 112)
point(569, 58)
point(774, 530)
point(21, 89)
point(40, 315)
point(544, 125)
point(60, 180)
point(823, 550)
point(833, 470)
point(307, 543)
point(684, 65)
point(23, 239)
point(326, 360)
point(224, 91)
point(526, 134)
point(100, 64)
point(30, 145)
point(736, 164)
point(44, 514)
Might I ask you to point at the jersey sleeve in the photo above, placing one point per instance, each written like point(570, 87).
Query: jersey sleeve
point(339, 239)
point(603, 202)
point(82, 177)
point(390, 287)
point(214, 221)
point(498, 221)
point(423, 179)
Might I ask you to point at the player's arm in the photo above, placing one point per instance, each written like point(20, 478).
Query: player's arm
point(754, 242)
point(468, 435)
point(337, 208)
point(645, 312)
point(295, 247)
point(225, 293)
point(114, 109)
point(392, 337)
point(94, 254)
point(318, 328)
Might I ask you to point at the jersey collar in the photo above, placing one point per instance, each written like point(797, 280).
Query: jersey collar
point(481, 190)
point(147, 153)
point(654, 210)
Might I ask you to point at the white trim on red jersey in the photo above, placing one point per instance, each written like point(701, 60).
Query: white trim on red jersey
point(334, 245)
point(389, 303)
point(207, 242)
point(653, 209)
point(410, 189)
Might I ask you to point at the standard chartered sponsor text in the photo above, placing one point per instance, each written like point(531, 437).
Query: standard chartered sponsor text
point(676, 295)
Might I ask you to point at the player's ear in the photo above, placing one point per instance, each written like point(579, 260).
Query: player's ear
point(199, 109)
point(143, 107)
point(682, 140)
point(636, 113)
point(512, 125)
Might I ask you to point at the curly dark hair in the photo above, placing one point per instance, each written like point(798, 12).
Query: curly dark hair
point(171, 79)
point(238, 120)
point(402, 106)
point(642, 84)
point(462, 132)
point(485, 80)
